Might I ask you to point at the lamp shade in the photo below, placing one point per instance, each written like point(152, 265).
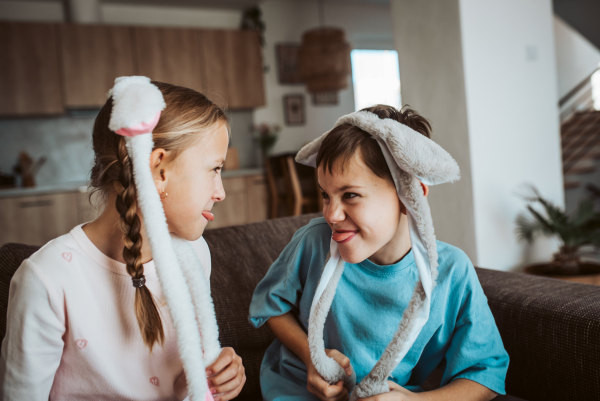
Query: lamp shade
point(324, 60)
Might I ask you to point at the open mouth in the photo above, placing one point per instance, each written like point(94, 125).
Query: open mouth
point(208, 215)
point(343, 236)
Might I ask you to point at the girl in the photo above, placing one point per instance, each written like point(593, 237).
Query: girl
point(76, 327)
point(377, 244)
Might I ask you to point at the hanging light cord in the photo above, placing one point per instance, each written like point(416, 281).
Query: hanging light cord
point(322, 13)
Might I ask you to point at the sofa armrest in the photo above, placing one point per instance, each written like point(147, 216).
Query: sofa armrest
point(551, 331)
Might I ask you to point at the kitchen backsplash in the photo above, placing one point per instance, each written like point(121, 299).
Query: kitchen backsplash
point(66, 142)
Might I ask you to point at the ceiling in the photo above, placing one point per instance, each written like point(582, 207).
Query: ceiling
point(231, 4)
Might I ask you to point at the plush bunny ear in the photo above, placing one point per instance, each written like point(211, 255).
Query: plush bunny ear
point(414, 153)
point(136, 106)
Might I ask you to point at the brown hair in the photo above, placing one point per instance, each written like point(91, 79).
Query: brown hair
point(346, 139)
point(188, 114)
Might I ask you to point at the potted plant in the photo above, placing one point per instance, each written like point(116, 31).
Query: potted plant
point(574, 232)
point(266, 135)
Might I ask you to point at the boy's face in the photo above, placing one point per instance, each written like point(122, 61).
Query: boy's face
point(364, 212)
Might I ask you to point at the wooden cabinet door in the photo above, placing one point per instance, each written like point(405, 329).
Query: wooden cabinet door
point(29, 69)
point(258, 198)
point(92, 57)
point(233, 64)
point(233, 210)
point(169, 55)
point(35, 220)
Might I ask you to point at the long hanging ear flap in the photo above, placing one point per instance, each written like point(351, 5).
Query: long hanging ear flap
point(327, 367)
point(137, 104)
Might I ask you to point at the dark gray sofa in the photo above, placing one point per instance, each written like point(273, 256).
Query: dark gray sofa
point(550, 328)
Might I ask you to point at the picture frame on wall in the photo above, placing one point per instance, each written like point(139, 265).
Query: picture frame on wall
point(325, 98)
point(287, 64)
point(293, 108)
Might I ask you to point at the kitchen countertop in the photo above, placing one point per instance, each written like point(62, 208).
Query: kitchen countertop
point(81, 186)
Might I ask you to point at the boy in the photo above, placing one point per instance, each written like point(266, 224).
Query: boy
point(383, 259)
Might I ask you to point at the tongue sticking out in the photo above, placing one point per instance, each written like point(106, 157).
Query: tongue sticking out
point(342, 236)
point(208, 215)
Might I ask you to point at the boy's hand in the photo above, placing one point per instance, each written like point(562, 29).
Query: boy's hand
point(323, 390)
point(226, 377)
point(396, 393)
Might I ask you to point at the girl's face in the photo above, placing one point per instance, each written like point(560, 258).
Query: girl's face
point(364, 213)
point(192, 181)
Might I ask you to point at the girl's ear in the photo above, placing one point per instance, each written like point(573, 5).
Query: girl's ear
point(158, 168)
point(425, 189)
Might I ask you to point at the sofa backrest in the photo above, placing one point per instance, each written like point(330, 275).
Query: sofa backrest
point(241, 256)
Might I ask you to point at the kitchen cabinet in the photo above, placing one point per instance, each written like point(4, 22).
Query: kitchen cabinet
point(35, 220)
point(92, 56)
point(233, 66)
point(169, 55)
point(29, 69)
point(245, 202)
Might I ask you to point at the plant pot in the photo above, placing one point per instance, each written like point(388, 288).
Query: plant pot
point(588, 273)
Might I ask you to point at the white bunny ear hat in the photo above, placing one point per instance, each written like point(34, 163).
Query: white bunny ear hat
point(412, 158)
point(137, 105)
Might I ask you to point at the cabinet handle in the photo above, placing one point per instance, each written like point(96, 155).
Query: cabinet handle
point(36, 203)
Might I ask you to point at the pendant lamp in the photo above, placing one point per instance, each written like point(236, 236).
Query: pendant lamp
point(324, 58)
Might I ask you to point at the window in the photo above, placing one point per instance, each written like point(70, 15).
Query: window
point(376, 78)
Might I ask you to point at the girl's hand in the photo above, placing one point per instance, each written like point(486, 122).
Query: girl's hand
point(396, 393)
point(323, 390)
point(226, 377)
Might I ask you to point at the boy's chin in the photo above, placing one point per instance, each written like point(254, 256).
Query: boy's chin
point(350, 256)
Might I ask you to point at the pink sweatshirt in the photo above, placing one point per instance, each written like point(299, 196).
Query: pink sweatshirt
point(72, 333)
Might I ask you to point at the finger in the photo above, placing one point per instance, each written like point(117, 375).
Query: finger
point(231, 394)
point(342, 360)
point(225, 358)
point(224, 376)
point(334, 390)
point(231, 384)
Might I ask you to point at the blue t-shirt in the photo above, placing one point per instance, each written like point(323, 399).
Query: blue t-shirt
point(460, 335)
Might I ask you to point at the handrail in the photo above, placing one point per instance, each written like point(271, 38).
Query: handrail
point(576, 89)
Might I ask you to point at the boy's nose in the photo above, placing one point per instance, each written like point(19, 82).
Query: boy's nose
point(334, 213)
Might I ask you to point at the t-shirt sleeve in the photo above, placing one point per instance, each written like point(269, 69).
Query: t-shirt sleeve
point(33, 344)
point(476, 351)
point(280, 290)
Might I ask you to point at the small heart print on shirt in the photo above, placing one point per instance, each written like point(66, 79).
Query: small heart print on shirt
point(68, 256)
point(81, 343)
point(154, 380)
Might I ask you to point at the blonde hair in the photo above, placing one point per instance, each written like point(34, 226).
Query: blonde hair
point(187, 116)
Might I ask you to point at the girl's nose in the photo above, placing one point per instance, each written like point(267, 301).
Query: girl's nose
point(219, 193)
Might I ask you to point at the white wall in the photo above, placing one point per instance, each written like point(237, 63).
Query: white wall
point(510, 76)
point(576, 57)
point(497, 59)
point(366, 26)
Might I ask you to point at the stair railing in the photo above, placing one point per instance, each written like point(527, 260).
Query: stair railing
point(578, 99)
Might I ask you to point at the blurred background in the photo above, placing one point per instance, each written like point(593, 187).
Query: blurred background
point(511, 88)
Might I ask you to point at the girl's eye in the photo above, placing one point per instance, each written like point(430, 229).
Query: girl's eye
point(217, 169)
point(350, 195)
point(324, 195)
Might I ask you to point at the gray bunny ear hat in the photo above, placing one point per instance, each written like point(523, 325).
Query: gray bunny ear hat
point(412, 159)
